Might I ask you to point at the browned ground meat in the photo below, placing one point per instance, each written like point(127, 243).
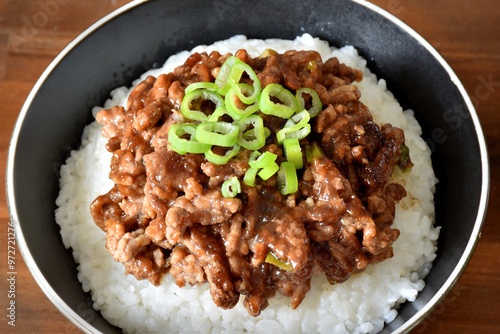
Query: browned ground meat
point(166, 212)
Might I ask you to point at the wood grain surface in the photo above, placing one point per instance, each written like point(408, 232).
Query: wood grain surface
point(466, 33)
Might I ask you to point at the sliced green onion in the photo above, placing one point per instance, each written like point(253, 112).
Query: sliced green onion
point(285, 109)
point(293, 152)
point(218, 114)
point(268, 53)
point(258, 132)
point(293, 133)
point(234, 103)
point(231, 188)
point(298, 119)
point(179, 144)
point(221, 80)
point(254, 156)
point(316, 107)
point(268, 171)
point(313, 151)
point(201, 85)
point(312, 65)
point(300, 133)
point(217, 133)
point(250, 134)
point(204, 95)
point(222, 159)
point(262, 160)
point(287, 178)
point(249, 178)
point(404, 161)
point(295, 127)
point(274, 260)
point(246, 96)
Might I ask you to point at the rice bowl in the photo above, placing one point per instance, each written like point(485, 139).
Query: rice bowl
point(126, 302)
point(157, 30)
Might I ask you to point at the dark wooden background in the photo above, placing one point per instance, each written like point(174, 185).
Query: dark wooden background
point(466, 33)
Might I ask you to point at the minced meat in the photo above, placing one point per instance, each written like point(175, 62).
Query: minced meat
point(166, 212)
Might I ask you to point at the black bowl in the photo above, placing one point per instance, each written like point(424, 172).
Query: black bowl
point(135, 38)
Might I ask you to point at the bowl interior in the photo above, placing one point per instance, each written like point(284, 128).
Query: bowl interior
point(119, 50)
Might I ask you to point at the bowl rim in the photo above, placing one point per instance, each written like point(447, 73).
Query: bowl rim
point(87, 327)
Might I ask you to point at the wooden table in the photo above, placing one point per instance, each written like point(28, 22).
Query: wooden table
point(465, 32)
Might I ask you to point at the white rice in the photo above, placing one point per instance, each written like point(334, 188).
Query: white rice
point(361, 305)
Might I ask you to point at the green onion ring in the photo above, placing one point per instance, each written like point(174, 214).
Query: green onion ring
point(217, 159)
point(204, 94)
point(258, 132)
point(293, 152)
point(249, 178)
point(313, 151)
point(201, 85)
point(287, 178)
point(246, 96)
point(221, 80)
point(262, 160)
point(315, 101)
point(285, 109)
point(295, 127)
point(231, 188)
point(250, 134)
point(268, 171)
point(176, 131)
point(231, 102)
point(217, 133)
point(293, 133)
point(299, 119)
point(254, 156)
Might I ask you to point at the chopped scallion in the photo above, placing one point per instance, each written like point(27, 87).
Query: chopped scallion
point(217, 133)
point(259, 139)
point(287, 105)
point(287, 178)
point(235, 106)
point(249, 178)
point(222, 159)
point(316, 105)
point(268, 171)
point(188, 108)
point(313, 151)
point(201, 85)
point(293, 152)
point(296, 127)
point(262, 160)
point(221, 80)
point(246, 96)
point(231, 188)
point(176, 133)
